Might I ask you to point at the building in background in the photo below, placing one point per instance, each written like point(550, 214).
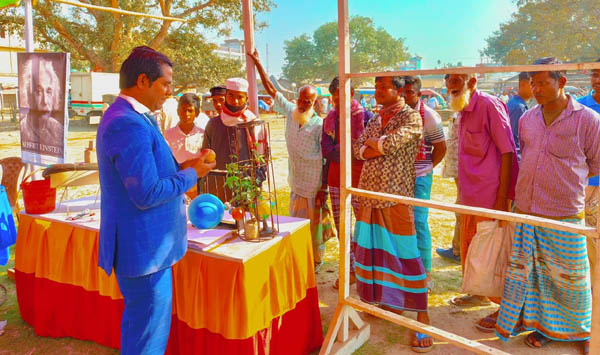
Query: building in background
point(231, 49)
point(414, 63)
point(10, 45)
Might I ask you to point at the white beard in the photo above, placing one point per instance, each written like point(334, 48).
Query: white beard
point(459, 101)
point(302, 117)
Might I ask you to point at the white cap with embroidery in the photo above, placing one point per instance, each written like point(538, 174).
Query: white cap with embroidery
point(237, 84)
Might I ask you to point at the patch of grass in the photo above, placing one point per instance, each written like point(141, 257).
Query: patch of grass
point(283, 201)
point(371, 348)
point(396, 335)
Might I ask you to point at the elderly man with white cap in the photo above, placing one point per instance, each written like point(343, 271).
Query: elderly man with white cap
point(303, 131)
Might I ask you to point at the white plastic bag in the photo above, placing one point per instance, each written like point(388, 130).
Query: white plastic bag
point(487, 258)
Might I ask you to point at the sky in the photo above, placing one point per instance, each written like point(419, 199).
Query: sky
point(446, 30)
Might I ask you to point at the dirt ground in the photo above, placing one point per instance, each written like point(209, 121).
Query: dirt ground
point(386, 338)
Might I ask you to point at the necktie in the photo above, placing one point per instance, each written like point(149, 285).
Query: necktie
point(152, 120)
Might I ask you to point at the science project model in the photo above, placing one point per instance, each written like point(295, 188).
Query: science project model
point(252, 185)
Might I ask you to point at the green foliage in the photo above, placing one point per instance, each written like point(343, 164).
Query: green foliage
point(372, 49)
point(566, 29)
point(101, 40)
point(244, 187)
point(195, 65)
point(5, 3)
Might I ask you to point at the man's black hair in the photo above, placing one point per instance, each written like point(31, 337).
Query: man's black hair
point(524, 76)
point(190, 99)
point(396, 80)
point(217, 90)
point(335, 84)
point(413, 81)
point(556, 74)
point(142, 60)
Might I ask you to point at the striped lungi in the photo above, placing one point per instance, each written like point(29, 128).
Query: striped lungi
point(389, 270)
point(547, 285)
point(321, 222)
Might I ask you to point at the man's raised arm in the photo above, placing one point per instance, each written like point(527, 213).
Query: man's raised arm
point(269, 87)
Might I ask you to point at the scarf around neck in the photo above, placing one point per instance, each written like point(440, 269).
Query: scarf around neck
point(330, 124)
point(391, 111)
point(230, 119)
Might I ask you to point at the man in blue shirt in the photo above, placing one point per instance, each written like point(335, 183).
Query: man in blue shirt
point(517, 105)
point(592, 100)
point(143, 222)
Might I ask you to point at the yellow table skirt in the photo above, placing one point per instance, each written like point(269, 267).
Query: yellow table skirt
point(229, 297)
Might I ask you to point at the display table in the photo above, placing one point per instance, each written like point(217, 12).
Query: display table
point(229, 296)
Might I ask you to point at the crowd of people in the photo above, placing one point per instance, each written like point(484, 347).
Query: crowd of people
point(530, 160)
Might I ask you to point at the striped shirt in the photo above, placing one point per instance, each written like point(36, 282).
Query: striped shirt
point(557, 159)
point(305, 161)
point(433, 132)
point(450, 169)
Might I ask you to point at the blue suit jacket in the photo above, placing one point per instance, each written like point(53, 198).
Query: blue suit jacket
point(143, 219)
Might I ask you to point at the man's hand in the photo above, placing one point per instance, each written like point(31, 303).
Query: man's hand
point(501, 204)
point(267, 84)
point(254, 56)
point(199, 164)
point(372, 142)
point(371, 153)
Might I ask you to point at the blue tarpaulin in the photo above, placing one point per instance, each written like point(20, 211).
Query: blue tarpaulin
point(8, 231)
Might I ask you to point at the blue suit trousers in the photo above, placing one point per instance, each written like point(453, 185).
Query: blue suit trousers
point(146, 320)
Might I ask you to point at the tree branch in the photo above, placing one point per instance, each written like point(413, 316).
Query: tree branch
point(114, 46)
point(94, 13)
point(196, 8)
point(60, 45)
point(66, 35)
point(165, 7)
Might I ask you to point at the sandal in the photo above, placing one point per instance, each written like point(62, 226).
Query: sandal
point(540, 339)
point(430, 286)
point(421, 349)
point(469, 301)
point(318, 267)
point(490, 320)
point(586, 347)
point(336, 284)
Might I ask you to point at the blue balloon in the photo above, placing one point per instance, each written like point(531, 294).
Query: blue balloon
point(206, 211)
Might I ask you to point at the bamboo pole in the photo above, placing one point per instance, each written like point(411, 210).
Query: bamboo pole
point(346, 171)
point(28, 28)
point(119, 11)
point(481, 70)
point(432, 331)
point(478, 211)
point(247, 10)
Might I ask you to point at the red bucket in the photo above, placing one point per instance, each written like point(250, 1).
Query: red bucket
point(38, 196)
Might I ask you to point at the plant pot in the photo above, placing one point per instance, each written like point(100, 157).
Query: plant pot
point(251, 229)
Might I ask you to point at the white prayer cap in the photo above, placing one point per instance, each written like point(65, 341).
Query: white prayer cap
point(237, 84)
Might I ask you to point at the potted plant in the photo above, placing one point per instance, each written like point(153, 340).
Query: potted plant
point(246, 192)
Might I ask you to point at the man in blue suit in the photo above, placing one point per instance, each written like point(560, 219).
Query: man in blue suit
point(143, 219)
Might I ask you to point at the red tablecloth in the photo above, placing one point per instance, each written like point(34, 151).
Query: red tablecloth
point(237, 298)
